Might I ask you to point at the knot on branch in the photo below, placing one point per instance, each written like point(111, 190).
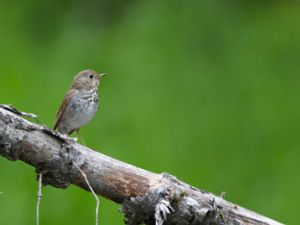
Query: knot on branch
point(165, 205)
point(162, 209)
point(152, 208)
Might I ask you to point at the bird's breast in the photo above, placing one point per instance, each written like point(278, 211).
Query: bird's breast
point(83, 107)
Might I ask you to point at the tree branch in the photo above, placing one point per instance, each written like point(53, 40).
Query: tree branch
point(146, 197)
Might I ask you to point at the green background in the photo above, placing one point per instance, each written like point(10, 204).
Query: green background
point(205, 90)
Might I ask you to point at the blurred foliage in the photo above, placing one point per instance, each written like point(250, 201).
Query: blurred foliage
point(206, 90)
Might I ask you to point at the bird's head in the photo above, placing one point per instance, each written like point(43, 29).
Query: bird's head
point(87, 79)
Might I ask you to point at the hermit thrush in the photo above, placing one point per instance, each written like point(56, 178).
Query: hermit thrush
point(80, 103)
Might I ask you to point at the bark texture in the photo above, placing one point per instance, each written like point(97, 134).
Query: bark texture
point(146, 197)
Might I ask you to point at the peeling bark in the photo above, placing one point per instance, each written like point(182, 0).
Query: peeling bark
point(146, 197)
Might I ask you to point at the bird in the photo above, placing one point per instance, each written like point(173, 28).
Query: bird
point(80, 103)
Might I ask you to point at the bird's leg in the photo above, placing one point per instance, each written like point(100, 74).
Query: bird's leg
point(79, 137)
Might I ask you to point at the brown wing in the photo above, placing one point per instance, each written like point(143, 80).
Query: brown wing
point(63, 106)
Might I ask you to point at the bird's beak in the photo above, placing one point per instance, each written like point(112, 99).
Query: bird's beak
point(102, 75)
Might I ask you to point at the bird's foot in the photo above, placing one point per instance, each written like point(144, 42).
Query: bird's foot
point(67, 138)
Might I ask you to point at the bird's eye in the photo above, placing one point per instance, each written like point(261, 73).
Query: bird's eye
point(91, 76)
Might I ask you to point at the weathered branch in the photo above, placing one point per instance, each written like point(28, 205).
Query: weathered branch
point(146, 197)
